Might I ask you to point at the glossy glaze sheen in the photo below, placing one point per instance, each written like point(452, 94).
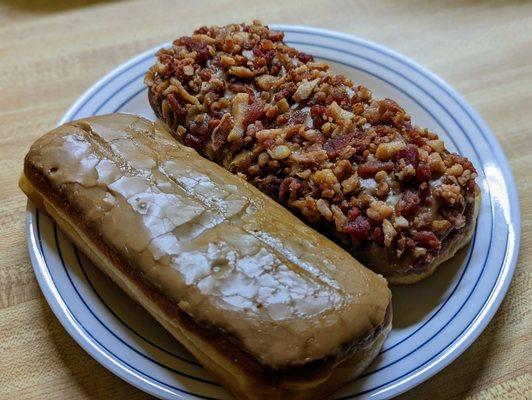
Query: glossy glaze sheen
point(225, 253)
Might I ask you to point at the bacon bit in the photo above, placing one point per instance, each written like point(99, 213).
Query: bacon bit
point(264, 52)
point(241, 72)
point(289, 184)
point(436, 163)
point(266, 82)
point(437, 145)
point(455, 170)
point(378, 236)
point(423, 219)
point(467, 164)
point(318, 65)
point(423, 172)
point(283, 105)
point(279, 152)
point(370, 168)
point(202, 30)
point(378, 211)
point(389, 232)
point(385, 151)
point(304, 57)
point(324, 209)
point(219, 134)
point(241, 88)
point(382, 190)
point(193, 141)
point(271, 111)
point(333, 146)
point(324, 178)
point(362, 94)
point(201, 49)
point(426, 239)
point(298, 71)
point(311, 157)
point(304, 90)
point(285, 92)
point(276, 36)
point(409, 203)
point(177, 108)
point(353, 213)
point(200, 128)
point(382, 111)
point(270, 134)
point(188, 71)
point(227, 61)
point(451, 194)
point(182, 92)
point(316, 112)
point(471, 185)
point(254, 112)
point(181, 130)
point(275, 69)
point(268, 45)
point(358, 228)
point(455, 218)
point(238, 111)
point(308, 208)
point(338, 96)
point(350, 184)
point(281, 119)
point(424, 193)
point(440, 226)
point(205, 75)
point(203, 38)
point(210, 98)
point(410, 154)
point(338, 113)
point(213, 123)
point(320, 98)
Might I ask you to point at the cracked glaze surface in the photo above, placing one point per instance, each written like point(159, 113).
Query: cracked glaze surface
point(228, 255)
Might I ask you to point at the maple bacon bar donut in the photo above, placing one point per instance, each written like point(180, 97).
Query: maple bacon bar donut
point(353, 167)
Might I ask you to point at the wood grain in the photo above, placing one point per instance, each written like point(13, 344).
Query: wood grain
point(51, 51)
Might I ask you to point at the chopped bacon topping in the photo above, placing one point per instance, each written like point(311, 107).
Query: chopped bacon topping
point(426, 239)
point(410, 154)
point(254, 112)
point(358, 228)
point(409, 204)
point(312, 139)
point(369, 169)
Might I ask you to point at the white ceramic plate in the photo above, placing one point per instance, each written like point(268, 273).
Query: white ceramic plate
point(434, 321)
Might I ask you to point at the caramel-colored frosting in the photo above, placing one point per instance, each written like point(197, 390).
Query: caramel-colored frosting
point(228, 255)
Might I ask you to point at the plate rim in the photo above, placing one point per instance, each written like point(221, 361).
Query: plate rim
point(471, 331)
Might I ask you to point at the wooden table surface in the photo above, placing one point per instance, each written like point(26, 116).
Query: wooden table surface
point(51, 51)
